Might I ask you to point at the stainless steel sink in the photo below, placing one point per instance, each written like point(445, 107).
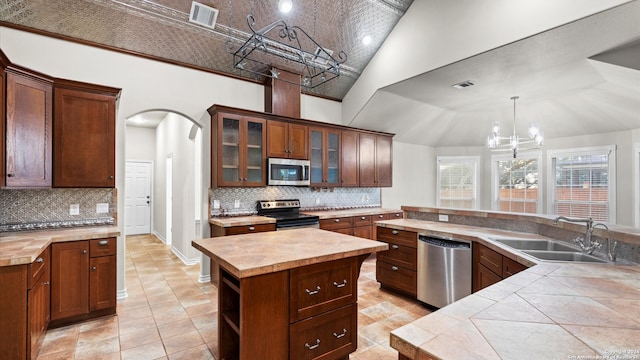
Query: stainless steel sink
point(546, 245)
point(563, 256)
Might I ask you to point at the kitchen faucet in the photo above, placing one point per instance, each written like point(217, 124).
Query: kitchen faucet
point(585, 244)
point(611, 250)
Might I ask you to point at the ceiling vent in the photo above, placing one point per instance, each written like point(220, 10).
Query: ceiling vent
point(203, 15)
point(463, 84)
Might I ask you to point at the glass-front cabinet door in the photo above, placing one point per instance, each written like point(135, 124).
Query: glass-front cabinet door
point(241, 151)
point(325, 157)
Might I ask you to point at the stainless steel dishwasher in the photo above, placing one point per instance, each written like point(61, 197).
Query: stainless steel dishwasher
point(444, 270)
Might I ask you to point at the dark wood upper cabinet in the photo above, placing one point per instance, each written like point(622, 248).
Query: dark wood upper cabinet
point(325, 156)
point(349, 162)
point(3, 162)
point(84, 135)
point(375, 160)
point(27, 133)
point(287, 140)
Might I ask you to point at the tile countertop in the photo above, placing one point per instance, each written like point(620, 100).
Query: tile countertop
point(230, 221)
point(23, 247)
point(267, 252)
point(327, 214)
point(552, 310)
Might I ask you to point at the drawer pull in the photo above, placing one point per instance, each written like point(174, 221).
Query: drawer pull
point(380, 216)
point(251, 228)
point(397, 215)
point(313, 292)
point(83, 251)
point(363, 218)
point(311, 347)
point(395, 247)
point(394, 268)
point(39, 260)
point(344, 283)
point(103, 242)
point(337, 220)
point(338, 336)
point(394, 232)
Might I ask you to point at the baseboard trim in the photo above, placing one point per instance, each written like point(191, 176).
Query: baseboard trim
point(183, 258)
point(204, 279)
point(122, 294)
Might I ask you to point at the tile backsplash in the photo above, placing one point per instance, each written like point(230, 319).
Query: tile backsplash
point(316, 199)
point(28, 209)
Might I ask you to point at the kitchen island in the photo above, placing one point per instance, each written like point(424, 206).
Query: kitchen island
point(288, 294)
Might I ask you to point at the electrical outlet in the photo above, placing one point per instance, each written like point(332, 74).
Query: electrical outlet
point(236, 204)
point(216, 204)
point(102, 208)
point(443, 217)
point(317, 201)
point(74, 209)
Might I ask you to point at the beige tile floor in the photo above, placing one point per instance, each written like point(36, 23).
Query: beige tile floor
point(170, 315)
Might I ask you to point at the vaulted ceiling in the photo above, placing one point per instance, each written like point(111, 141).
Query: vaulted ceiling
point(161, 29)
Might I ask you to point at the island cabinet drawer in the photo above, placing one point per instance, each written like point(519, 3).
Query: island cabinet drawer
point(247, 229)
point(332, 335)
point(396, 277)
point(511, 267)
point(363, 220)
point(318, 288)
point(102, 247)
point(407, 238)
point(400, 255)
point(490, 259)
point(38, 267)
point(336, 223)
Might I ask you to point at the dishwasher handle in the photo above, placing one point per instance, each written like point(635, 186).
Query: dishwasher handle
point(445, 243)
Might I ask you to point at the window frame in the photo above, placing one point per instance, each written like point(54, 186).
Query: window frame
point(537, 154)
point(609, 150)
point(476, 176)
point(636, 156)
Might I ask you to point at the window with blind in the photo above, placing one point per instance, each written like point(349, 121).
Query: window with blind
point(583, 183)
point(458, 182)
point(516, 183)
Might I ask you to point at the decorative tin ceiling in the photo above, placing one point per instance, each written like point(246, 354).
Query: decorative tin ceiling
point(161, 29)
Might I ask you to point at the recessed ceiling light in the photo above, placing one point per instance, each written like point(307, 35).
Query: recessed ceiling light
point(366, 39)
point(463, 84)
point(285, 6)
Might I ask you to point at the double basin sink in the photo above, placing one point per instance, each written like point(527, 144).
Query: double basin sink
point(550, 250)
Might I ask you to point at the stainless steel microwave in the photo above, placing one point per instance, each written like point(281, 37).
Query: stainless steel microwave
point(288, 172)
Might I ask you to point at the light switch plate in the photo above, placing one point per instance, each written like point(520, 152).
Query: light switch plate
point(102, 208)
point(236, 204)
point(216, 204)
point(74, 209)
point(443, 217)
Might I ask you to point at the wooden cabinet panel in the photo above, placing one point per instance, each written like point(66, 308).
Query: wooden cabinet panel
point(349, 159)
point(375, 160)
point(39, 300)
point(282, 95)
point(238, 150)
point(400, 255)
point(510, 267)
point(362, 231)
point(328, 336)
point(69, 279)
point(28, 131)
point(3, 162)
point(321, 287)
point(41, 265)
point(406, 238)
point(13, 312)
point(489, 267)
point(490, 259)
point(287, 140)
point(102, 283)
point(384, 167)
point(102, 247)
point(397, 278)
point(485, 278)
point(84, 135)
point(336, 223)
point(324, 155)
point(362, 220)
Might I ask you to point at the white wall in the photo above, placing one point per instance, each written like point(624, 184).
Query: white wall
point(414, 177)
point(140, 143)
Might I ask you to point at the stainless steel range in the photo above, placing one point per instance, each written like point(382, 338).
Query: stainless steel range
point(287, 214)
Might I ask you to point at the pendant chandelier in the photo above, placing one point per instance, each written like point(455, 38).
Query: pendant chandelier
point(515, 142)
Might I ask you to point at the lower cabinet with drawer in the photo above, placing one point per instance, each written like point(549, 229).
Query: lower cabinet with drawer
point(308, 312)
point(83, 280)
point(24, 307)
point(489, 267)
point(361, 225)
point(396, 268)
point(217, 231)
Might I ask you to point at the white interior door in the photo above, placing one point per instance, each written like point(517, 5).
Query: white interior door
point(137, 202)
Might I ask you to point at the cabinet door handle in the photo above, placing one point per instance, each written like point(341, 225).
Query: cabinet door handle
point(39, 260)
point(313, 292)
point(338, 336)
point(93, 268)
point(394, 232)
point(46, 283)
point(11, 175)
point(394, 268)
point(311, 347)
point(84, 251)
point(103, 242)
point(343, 284)
point(251, 228)
point(394, 247)
point(111, 177)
